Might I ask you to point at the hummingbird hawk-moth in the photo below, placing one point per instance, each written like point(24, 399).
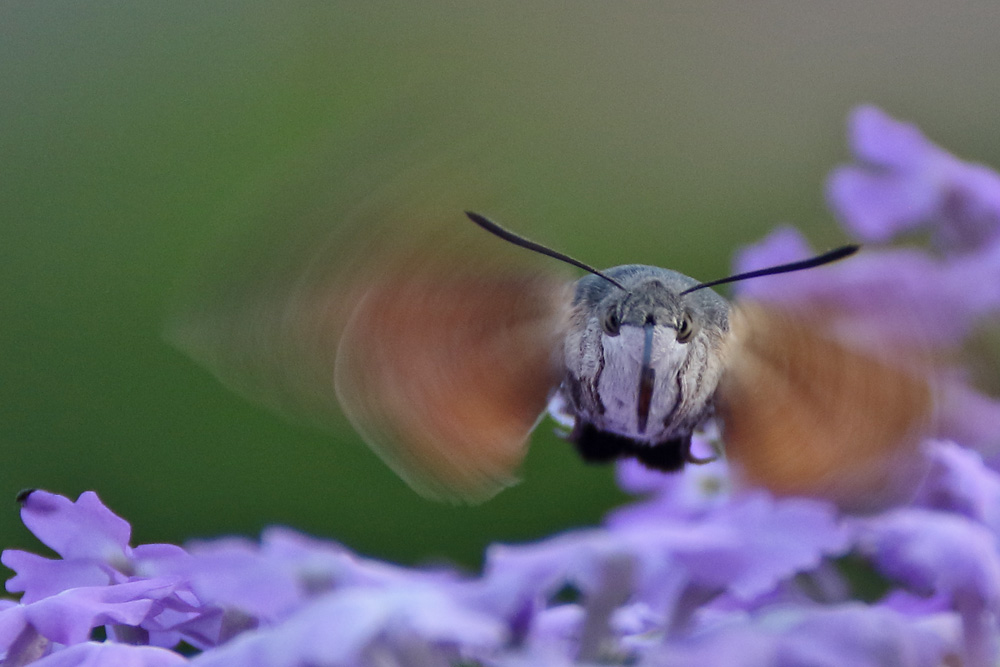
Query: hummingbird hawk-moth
point(446, 368)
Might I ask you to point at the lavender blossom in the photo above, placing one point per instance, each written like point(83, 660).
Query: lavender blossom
point(94, 654)
point(905, 182)
point(950, 560)
point(403, 625)
point(694, 571)
point(845, 634)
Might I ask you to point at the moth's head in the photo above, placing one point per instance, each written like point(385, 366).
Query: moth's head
point(649, 295)
point(635, 338)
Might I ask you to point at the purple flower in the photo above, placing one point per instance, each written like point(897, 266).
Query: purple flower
point(94, 654)
point(893, 292)
point(402, 625)
point(948, 559)
point(95, 583)
point(662, 567)
point(85, 529)
point(745, 547)
point(904, 181)
point(647, 587)
point(92, 541)
point(520, 585)
point(848, 634)
point(936, 554)
point(68, 617)
point(959, 482)
point(233, 574)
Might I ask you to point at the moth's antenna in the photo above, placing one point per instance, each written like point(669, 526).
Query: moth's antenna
point(507, 235)
point(819, 260)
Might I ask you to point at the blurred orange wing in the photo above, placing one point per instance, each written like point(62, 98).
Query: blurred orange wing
point(806, 412)
point(446, 374)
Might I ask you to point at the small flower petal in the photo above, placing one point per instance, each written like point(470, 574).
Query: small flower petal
point(39, 577)
point(766, 541)
point(849, 634)
point(105, 654)
point(82, 529)
point(233, 574)
point(959, 481)
point(68, 618)
point(935, 553)
point(408, 625)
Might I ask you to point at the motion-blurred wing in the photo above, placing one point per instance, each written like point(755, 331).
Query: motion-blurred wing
point(442, 358)
point(445, 375)
point(804, 411)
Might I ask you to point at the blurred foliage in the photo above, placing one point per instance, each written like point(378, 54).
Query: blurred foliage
point(137, 137)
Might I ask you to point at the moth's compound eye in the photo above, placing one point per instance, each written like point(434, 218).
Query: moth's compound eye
point(685, 329)
point(611, 323)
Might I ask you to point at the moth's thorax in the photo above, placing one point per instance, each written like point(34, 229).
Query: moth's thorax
point(621, 345)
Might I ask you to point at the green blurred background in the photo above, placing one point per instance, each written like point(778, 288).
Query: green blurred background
point(135, 137)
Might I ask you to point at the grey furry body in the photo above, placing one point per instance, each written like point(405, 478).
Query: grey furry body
point(601, 386)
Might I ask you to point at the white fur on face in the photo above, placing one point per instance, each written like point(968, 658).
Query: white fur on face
point(619, 382)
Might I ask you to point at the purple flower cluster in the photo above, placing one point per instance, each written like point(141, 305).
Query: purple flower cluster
point(693, 573)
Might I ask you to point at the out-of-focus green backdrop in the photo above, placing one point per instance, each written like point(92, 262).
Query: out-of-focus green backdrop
point(133, 135)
